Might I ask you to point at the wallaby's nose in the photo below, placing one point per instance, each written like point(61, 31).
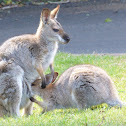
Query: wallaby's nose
point(66, 38)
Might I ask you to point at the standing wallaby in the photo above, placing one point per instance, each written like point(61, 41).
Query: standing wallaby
point(32, 54)
point(81, 86)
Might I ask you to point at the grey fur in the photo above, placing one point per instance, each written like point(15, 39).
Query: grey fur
point(27, 52)
point(81, 86)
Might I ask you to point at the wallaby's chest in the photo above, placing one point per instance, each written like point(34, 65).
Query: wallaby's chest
point(49, 56)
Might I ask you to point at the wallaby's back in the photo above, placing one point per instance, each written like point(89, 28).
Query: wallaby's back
point(81, 86)
point(92, 86)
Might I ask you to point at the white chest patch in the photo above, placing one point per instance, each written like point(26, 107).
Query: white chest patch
point(49, 58)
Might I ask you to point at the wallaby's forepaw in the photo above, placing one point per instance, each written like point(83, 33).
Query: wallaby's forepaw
point(43, 84)
point(43, 112)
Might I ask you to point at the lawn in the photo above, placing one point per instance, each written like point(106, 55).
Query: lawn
point(100, 116)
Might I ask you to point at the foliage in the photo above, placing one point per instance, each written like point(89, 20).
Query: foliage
point(11, 2)
point(101, 115)
point(108, 20)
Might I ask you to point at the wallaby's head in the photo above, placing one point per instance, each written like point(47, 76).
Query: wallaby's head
point(36, 84)
point(51, 28)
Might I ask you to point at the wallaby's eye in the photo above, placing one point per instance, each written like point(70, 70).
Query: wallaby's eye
point(33, 85)
point(55, 30)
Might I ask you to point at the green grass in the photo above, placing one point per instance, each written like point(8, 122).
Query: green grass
point(100, 116)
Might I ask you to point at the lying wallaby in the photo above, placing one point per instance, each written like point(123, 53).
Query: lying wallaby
point(32, 54)
point(81, 86)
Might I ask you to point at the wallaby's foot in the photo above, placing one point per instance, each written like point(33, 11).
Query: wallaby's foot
point(43, 111)
point(29, 109)
point(32, 99)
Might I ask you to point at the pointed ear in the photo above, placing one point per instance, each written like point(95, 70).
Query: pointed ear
point(45, 15)
point(55, 11)
point(50, 79)
point(55, 76)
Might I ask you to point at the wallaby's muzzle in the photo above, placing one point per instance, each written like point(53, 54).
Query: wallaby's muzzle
point(66, 38)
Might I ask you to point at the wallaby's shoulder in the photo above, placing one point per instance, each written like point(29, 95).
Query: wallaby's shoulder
point(26, 38)
point(23, 41)
point(86, 68)
point(84, 72)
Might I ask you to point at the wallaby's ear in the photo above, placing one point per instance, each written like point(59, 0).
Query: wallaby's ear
point(45, 15)
point(50, 79)
point(55, 11)
point(55, 76)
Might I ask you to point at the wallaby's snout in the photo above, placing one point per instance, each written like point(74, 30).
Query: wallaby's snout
point(66, 38)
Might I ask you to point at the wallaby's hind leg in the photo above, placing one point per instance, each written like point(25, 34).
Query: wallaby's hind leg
point(11, 90)
point(28, 110)
point(3, 111)
point(79, 100)
point(14, 109)
point(86, 96)
point(11, 104)
point(14, 98)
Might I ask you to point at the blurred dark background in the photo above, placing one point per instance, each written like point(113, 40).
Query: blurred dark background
point(12, 2)
point(94, 26)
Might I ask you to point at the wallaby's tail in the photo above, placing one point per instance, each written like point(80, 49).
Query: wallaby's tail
point(117, 103)
point(123, 103)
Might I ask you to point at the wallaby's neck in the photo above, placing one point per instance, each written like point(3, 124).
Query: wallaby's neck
point(41, 35)
point(39, 30)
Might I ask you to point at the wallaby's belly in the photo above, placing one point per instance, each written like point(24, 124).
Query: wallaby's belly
point(48, 60)
point(31, 75)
